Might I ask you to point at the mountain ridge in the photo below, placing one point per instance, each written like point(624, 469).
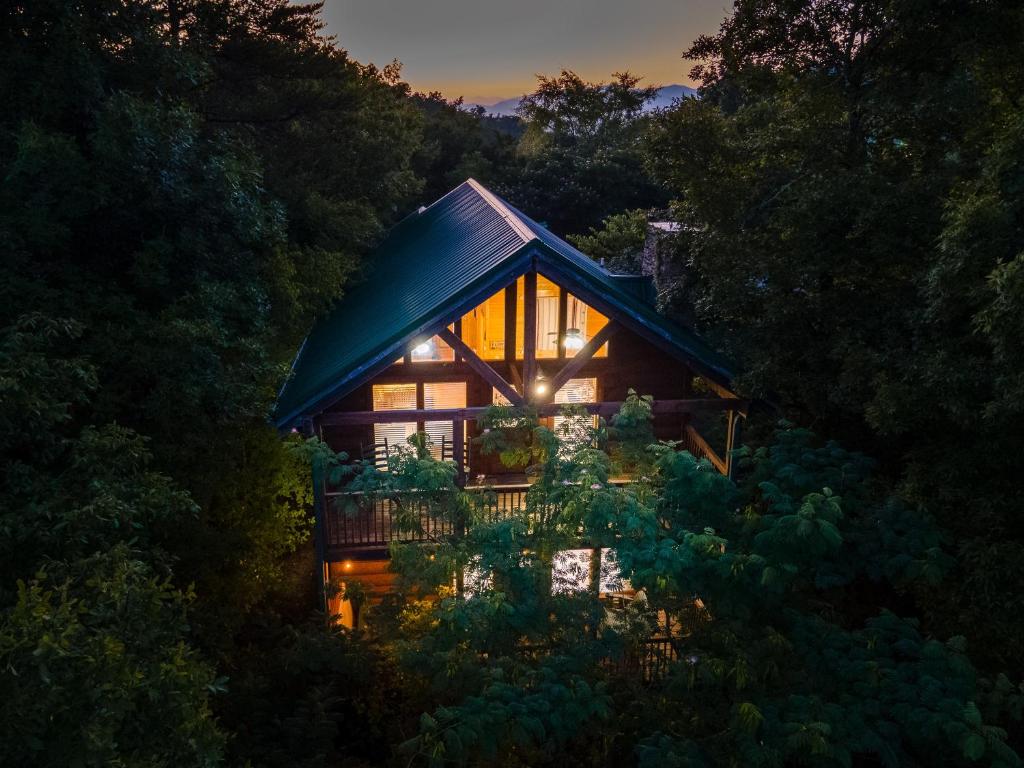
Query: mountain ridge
point(664, 97)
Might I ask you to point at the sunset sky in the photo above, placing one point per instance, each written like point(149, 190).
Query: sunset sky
point(488, 50)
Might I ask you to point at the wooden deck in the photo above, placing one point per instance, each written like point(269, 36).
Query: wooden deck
point(354, 522)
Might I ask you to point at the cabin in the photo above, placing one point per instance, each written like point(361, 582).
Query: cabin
point(466, 303)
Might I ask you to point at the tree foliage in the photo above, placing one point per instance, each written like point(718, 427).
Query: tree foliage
point(754, 593)
point(848, 190)
point(580, 154)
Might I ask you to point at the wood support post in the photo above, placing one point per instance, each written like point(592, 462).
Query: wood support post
point(511, 305)
point(563, 311)
point(732, 442)
point(530, 335)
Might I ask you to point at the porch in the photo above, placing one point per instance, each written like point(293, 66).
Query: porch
point(354, 522)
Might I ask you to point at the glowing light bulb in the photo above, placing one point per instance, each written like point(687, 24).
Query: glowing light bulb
point(573, 339)
point(425, 348)
point(540, 387)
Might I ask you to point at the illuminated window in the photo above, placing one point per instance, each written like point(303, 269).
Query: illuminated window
point(394, 397)
point(582, 323)
point(483, 328)
point(475, 579)
point(570, 571)
point(433, 349)
point(437, 395)
point(547, 318)
point(611, 577)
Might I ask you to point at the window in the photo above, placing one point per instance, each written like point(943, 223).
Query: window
point(437, 395)
point(433, 349)
point(394, 397)
point(483, 328)
point(547, 318)
point(575, 391)
point(570, 571)
point(582, 323)
point(611, 576)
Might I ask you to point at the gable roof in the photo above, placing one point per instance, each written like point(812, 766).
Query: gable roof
point(436, 265)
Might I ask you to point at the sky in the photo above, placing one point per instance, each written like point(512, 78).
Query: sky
point(489, 50)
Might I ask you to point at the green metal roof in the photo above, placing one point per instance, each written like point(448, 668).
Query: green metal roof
point(436, 265)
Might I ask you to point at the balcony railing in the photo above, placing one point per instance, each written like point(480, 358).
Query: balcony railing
point(357, 521)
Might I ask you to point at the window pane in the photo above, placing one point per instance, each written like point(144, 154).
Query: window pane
point(483, 329)
point(547, 318)
point(447, 394)
point(570, 571)
point(574, 391)
point(577, 391)
point(611, 577)
point(582, 324)
point(433, 349)
point(394, 397)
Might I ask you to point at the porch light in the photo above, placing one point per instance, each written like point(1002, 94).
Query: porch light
point(540, 386)
point(426, 348)
point(573, 339)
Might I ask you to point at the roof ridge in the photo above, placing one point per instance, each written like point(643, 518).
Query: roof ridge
point(498, 204)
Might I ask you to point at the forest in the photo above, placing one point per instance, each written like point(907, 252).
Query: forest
point(187, 185)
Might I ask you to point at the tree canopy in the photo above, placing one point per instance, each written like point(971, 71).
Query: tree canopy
point(186, 185)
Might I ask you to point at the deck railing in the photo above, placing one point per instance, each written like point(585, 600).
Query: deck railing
point(355, 520)
point(699, 448)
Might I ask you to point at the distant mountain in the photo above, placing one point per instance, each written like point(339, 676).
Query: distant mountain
point(664, 98)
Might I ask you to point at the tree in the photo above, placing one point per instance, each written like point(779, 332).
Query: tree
point(96, 664)
point(459, 144)
point(844, 188)
point(184, 187)
point(618, 244)
point(769, 597)
point(580, 158)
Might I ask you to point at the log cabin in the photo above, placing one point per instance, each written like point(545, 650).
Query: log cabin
point(468, 302)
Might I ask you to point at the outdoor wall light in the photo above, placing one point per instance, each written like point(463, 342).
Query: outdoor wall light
point(426, 348)
point(573, 339)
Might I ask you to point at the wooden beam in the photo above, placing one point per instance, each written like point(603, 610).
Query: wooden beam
point(563, 311)
point(511, 305)
point(480, 366)
point(530, 334)
point(575, 365)
point(659, 407)
point(733, 439)
point(517, 378)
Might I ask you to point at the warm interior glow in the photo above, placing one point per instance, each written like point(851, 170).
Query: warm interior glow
point(433, 349)
point(483, 328)
point(587, 322)
point(443, 394)
point(394, 397)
